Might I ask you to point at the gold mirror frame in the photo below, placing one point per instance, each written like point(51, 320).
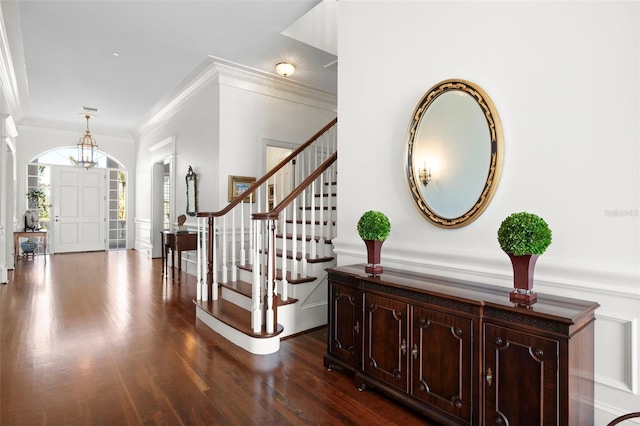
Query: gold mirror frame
point(495, 161)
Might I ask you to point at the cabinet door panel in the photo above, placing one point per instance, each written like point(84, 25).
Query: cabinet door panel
point(523, 372)
point(442, 361)
point(386, 343)
point(345, 325)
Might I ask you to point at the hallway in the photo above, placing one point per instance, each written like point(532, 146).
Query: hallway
point(101, 338)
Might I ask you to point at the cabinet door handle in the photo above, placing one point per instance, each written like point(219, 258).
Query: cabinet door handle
point(489, 377)
point(414, 352)
point(357, 327)
point(403, 347)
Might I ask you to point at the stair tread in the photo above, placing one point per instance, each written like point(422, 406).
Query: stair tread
point(308, 222)
point(317, 208)
point(298, 280)
point(299, 237)
point(234, 316)
point(246, 289)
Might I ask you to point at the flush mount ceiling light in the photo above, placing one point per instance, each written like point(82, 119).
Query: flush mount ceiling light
point(285, 69)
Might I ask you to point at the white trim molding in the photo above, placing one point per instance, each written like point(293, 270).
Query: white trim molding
point(619, 332)
point(218, 71)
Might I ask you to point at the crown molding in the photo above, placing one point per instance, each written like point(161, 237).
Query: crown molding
point(257, 81)
point(9, 82)
point(217, 71)
point(63, 129)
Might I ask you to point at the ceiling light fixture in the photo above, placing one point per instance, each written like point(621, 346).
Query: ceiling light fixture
point(87, 148)
point(285, 69)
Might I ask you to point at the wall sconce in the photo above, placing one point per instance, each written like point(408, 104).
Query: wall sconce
point(285, 69)
point(424, 174)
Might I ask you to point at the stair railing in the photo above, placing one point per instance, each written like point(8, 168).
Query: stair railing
point(266, 228)
point(243, 234)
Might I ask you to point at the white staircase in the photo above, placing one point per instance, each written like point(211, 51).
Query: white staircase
point(262, 260)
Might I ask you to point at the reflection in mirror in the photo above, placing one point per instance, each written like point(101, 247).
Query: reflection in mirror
point(192, 200)
point(453, 153)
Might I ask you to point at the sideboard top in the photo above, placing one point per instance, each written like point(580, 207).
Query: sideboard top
point(557, 308)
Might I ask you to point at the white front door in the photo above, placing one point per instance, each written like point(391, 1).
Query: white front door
point(79, 209)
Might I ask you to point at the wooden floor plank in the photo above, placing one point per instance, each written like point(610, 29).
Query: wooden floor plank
point(104, 339)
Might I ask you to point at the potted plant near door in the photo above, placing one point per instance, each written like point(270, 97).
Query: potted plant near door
point(374, 228)
point(36, 198)
point(524, 237)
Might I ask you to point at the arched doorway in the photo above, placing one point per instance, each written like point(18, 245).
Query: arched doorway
point(83, 209)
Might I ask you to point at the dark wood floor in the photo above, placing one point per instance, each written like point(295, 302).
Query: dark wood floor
point(103, 339)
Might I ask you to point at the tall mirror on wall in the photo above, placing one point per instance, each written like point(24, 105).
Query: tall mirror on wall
point(453, 153)
point(192, 198)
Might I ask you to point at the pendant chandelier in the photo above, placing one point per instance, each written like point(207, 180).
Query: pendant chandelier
point(87, 148)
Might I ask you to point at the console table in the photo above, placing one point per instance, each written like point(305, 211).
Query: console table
point(176, 242)
point(460, 352)
point(42, 234)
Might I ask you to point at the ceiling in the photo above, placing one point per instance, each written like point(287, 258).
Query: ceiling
point(69, 50)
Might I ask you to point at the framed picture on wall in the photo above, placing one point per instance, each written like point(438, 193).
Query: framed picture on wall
point(238, 185)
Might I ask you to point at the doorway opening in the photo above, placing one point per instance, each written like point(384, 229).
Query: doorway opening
point(47, 194)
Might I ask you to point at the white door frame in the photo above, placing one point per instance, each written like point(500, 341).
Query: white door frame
point(161, 153)
point(7, 204)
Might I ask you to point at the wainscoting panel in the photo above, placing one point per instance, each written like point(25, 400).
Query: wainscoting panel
point(143, 236)
point(617, 369)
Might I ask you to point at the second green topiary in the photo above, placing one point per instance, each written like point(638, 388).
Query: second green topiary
point(524, 233)
point(374, 225)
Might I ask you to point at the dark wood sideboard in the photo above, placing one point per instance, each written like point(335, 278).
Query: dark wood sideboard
point(461, 353)
point(176, 242)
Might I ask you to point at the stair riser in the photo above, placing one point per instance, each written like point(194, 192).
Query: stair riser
point(325, 230)
point(236, 298)
point(322, 249)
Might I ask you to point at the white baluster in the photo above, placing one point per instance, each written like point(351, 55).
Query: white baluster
point(294, 239)
point(223, 277)
point(252, 243)
point(234, 266)
point(205, 286)
point(312, 222)
point(284, 287)
point(256, 309)
point(270, 323)
point(303, 239)
point(214, 267)
point(199, 260)
point(242, 221)
point(322, 214)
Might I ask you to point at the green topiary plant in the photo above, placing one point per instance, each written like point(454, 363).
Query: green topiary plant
point(374, 225)
point(524, 233)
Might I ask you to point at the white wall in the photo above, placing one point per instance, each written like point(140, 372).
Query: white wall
point(250, 116)
point(194, 129)
point(564, 77)
point(219, 117)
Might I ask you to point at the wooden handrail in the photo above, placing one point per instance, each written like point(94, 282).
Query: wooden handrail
point(246, 194)
point(273, 214)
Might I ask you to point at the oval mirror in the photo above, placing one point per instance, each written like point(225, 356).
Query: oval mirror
point(454, 152)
